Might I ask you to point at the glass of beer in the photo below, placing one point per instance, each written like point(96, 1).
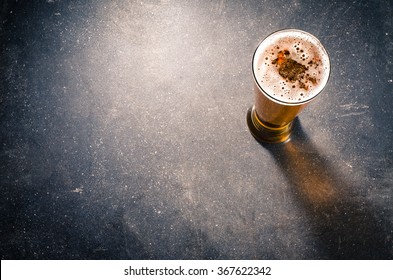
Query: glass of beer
point(290, 68)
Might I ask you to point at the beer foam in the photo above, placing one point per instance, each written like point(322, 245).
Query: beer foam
point(291, 66)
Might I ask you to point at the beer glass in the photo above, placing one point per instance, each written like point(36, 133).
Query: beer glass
point(290, 68)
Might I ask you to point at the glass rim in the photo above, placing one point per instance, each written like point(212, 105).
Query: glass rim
point(274, 99)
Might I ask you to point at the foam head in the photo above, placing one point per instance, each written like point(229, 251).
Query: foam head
point(291, 66)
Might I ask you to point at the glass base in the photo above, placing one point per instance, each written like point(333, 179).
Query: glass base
point(265, 133)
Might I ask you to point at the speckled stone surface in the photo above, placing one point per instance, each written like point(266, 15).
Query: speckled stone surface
point(124, 135)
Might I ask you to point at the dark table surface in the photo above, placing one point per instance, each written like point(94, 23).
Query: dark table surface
point(124, 134)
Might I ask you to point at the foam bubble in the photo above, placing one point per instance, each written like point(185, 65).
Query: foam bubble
point(291, 66)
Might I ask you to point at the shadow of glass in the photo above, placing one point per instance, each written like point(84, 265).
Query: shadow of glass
point(343, 223)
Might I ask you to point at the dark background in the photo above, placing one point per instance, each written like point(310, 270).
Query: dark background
point(124, 135)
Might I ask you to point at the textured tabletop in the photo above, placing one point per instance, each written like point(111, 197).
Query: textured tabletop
point(124, 133)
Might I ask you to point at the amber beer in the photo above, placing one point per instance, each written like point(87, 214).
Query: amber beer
point(290, 68)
